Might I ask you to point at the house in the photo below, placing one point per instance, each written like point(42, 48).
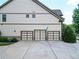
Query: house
point(30, 20)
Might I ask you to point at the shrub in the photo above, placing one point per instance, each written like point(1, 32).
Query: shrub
point(3, 39)
point(0, 33)
point(69, 35)
point(14, 40)
point(9, 39)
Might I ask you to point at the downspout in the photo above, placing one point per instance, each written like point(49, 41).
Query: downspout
point(61, 30)
point(61, 37)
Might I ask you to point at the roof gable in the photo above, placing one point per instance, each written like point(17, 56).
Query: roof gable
point(61, 19)
point(41, 5)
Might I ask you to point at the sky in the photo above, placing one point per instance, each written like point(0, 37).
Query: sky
point(66, 6)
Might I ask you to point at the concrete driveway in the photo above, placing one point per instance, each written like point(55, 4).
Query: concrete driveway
point(40, 50)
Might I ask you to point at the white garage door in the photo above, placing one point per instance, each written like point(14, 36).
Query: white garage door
point(53, 35)
point(27, 35)
point(40, 34)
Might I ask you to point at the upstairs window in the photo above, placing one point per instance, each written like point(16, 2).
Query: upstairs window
point(33, 15)
point(3, 17)
point(0, 17)
point(27, 15)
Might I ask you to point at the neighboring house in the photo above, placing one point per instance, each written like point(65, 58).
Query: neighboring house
point(30, 20)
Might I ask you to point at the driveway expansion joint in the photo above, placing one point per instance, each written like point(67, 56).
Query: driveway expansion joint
point(27, 51)
point(52, 50)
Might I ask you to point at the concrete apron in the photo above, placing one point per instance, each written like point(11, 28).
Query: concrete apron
point(40, 50)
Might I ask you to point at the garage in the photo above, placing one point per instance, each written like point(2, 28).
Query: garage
point(40, 34)
point(27, 35)
point(53, 35)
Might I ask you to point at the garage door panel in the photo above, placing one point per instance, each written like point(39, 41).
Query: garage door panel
point(53, 35)
point(43, 35)
point(29, 38)
point(40, 34)
point(27, 35)
point(37, 35)
point(24, 38)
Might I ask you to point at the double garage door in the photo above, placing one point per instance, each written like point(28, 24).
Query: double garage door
point(40, 35)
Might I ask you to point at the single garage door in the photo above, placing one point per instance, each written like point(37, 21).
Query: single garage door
point(53, 35)
point(40, 34)
point(27, 35)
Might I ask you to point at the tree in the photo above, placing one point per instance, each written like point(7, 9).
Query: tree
point(69, 35)
point(76, 19)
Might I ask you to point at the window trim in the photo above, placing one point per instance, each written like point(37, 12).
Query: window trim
point(27, 15)
point(3, 17)
point(33, 15)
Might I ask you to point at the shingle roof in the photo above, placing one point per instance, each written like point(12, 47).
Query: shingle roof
point(58, 12)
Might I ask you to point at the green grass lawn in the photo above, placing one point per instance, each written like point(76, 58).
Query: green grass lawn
point(5, 43)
